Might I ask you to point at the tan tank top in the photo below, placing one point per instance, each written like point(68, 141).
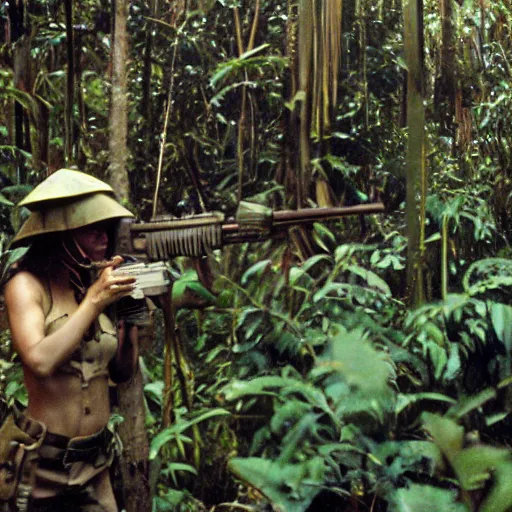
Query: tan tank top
point(91, 359)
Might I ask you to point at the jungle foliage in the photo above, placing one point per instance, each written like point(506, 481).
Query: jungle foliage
point(344, 368)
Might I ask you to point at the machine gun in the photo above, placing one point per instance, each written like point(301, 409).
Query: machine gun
point(197, 235)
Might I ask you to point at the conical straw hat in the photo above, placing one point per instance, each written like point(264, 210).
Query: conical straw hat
point(63, 184)
point(70, 214)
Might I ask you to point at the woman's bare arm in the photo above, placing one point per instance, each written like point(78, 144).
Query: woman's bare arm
point(24, 301)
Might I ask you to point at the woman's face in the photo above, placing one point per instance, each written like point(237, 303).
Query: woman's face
point(93, 239)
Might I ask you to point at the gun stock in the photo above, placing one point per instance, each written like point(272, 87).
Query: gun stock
point(196, 235)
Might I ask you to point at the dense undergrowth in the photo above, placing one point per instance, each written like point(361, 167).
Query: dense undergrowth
point(316, 387)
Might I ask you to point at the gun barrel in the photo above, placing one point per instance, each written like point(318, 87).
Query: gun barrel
point(307, 215)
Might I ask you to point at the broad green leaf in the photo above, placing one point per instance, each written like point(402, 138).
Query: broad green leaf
point(256, 271)
point(155, 390)
point(360, 365)
point(453, 366)
point(501, 317)
point(499, 498)
point(173, 431)
point(259, 386)
point(327, 289)
point(468, 404)
point(424, 498)
point(403, 401)
point(288, 487)
point(474, 465)
point(174, 467)
point(297, 274)
point(189, 292)
point(169, 500)
point(438, 357)
point(371, 278)
point(447, 435)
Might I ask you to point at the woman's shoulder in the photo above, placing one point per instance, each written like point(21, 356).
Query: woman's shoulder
point(22, 283)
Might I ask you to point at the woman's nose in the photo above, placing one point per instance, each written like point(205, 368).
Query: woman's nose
point(102, 237)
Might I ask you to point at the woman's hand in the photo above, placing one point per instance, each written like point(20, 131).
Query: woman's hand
point(108, 288)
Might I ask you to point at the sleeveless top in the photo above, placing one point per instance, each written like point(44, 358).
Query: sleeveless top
point(91, 359)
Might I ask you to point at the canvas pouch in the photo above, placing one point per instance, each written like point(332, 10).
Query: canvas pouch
point(15, 446)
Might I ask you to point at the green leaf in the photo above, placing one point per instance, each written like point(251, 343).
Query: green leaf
point(9, 258)
point(425, 498)
point(257, 270)
point(404, 401)
point(155, 390)
point(299, 97)
point(254, 51)
point(501, 318)
point(259, 386)
point(173, 431)
point(5, 201)
point(446, 434)
point(372, 279)
point(311, 262)
point(288, 487)
point(362, 367)
point(474, 465)
point(453, 366)
point(499, 498)
point(174, 467)
point(468, 404)
point(188, 291)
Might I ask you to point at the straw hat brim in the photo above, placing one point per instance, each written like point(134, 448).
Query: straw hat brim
point(70, 215)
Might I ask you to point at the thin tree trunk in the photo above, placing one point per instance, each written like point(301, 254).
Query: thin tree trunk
point(446, 83)
point(118, 175)
point(16, 16)
point(415, 165)
point(131, 395)
point(135, 462)
point(70, 85)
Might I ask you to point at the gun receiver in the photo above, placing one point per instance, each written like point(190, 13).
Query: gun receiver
point(196, 235)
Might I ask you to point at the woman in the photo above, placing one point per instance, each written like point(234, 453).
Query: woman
point(57, 303)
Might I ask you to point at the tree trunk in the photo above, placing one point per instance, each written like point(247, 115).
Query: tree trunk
point(415, 165)
point(118, 175)
point(135, 462)
point(446, 85)
point(131, 395)
point(70, 85)
point(21, 77)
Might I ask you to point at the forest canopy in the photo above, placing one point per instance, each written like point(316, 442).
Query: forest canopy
point(363, 363)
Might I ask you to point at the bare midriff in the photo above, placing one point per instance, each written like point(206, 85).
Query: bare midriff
point(64, 406)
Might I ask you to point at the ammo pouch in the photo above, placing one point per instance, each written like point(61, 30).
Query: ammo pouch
point(18, 450)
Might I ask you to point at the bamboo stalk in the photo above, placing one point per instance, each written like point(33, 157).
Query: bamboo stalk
point(415, 163)
point(68, 103)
